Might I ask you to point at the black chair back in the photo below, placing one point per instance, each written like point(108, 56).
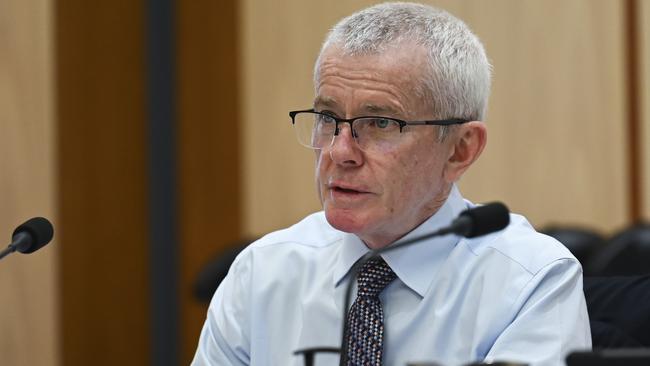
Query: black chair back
point(619, 311)
point(626, 254)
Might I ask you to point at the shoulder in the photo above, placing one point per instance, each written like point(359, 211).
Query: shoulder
point(520, 245)
point(313, 231)
point(293, 248)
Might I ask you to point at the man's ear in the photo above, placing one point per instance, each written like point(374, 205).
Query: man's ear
point(467, 143)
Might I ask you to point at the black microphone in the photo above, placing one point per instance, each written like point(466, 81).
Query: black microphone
point(29, 237)
point(471, 223)
point(479, 221)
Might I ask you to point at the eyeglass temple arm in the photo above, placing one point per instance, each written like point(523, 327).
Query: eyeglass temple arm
point(442, 122)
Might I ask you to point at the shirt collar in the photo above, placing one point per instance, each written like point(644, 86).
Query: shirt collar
point(415, 265)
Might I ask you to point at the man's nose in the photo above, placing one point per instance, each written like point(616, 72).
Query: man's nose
point(344, 149)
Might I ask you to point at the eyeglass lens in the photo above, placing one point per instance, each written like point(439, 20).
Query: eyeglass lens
point(318, 131)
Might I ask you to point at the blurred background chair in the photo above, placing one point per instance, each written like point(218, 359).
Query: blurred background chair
point(215, 270)
point(625, 254)
point(619, 311)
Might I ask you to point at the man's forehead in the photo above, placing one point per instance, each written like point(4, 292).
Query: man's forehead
point(380, 84)
point(408, 64)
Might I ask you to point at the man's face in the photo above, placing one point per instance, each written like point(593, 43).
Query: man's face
point(379, 196)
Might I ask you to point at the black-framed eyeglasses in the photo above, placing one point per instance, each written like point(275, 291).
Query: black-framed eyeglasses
point(317, 130)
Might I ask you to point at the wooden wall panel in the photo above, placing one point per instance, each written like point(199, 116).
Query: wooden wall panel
point(208, 147)
point(644, 74)
point(556, 120)
point(280, 41)
point(103, 225)
point(28, 324)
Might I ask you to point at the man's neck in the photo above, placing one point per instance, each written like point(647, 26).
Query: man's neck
point(384, 239)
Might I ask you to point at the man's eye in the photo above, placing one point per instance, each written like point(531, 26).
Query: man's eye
point(324, 119)
point(382, 123)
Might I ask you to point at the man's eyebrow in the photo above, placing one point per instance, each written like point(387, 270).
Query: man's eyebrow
point(324, 102)
point(379, 110)
point(368, 109)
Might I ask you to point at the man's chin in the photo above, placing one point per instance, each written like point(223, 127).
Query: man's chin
point(347, 221)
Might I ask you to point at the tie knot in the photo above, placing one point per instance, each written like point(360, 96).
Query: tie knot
point(374, 276)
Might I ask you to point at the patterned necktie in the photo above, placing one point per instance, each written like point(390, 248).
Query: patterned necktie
point(366, 317)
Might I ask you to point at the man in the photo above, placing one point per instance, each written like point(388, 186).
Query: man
point(512, 295)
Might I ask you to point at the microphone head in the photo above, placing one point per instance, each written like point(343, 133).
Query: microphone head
point(39, 229)
point(485, 219)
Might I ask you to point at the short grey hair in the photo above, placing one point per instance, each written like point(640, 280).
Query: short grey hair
point(458, 81)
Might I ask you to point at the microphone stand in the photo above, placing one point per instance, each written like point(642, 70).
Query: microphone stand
point(18, 238)
point(6, 251)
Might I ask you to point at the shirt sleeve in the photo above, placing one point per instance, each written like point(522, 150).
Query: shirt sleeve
point(225, 338)
point(551, 318)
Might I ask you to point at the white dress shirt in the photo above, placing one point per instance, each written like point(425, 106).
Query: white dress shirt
point(513, 295)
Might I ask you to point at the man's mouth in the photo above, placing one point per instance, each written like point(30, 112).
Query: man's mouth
point(348, 189)
point(345, 190)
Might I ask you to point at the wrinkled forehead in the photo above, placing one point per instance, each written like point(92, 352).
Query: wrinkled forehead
point(404, 60)
point(386, 83)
